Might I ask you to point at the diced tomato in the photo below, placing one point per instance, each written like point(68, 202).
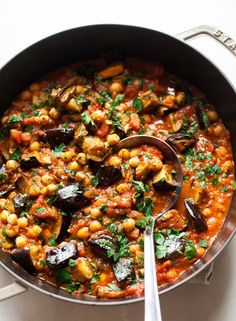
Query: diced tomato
point(131, 92)
point(103, 130)
point(16, 135)
point(135, 122)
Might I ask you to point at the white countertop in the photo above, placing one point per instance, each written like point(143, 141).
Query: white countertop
point(23, 23)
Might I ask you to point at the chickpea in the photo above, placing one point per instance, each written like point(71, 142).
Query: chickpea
point(207, 212)
point(155, 164)
point(4, 216)
point(116, 88)
point(80, 176)
point(67, 156)
point(34, 251)
point(95, 213)
point(46, 179)
point(36, 230)
point(3, 203)
point(134, 248)
point(12, 219)
point(21, 242)
point(134, 152)
point(171, 274)
point(54, 113)
point(26, 95)
point(12, 231)
point(95, 226)
point(227, 166)
point(218, 130)
point(134, 161)
point(180, 96)
point(26, 137)
point(22, 222)
point(212, 115)
point(35, 146)
point(124, 153)
point(200, 251)
point(221, 151)
point(122, 188)
point(51, 188)
point(34, 190)
point(115, 161)
point(113, 139)
point(81, 158)
point(98, 116)
point(12, 165)
point(74, 166)
point(83, 233)
point(43, 190)
point(129, 224)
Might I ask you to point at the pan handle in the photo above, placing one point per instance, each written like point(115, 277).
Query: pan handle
point(11, 290)
point(213, 32)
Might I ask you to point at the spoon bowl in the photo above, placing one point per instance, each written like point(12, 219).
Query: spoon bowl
point(152, 303)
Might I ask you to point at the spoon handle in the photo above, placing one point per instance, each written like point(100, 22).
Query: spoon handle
point(152, 304)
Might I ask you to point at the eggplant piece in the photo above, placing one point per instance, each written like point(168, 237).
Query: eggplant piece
point(86, 70)
point(59, 257)
point(102, 244)
point(60, 230)
point(93, 165)
point(180, 142)
point(8, 180)
point(123, 270)
point(150, 101)
point(24, 259)
point(28, 162)
point(71, 198)
point(202, 115)
point(63, 95)
point(197, 216)
point(120, 132)
point(57, 136)
point(164, 179)
point(19, 202)
point(108, 174)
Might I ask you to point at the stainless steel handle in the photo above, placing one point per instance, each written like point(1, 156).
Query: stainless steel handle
point(11, 290)
point(213, 32)
point(152, 303)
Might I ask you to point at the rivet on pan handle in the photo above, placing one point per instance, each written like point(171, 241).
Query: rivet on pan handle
point(213, 32)
point(11, 290)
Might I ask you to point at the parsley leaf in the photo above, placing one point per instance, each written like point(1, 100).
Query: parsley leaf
point(203, 243)
point(140, 188)
point(52, 241)
point(95, 181)
point(58, 150)
point(87, 119)
point(190, 250)
point(138, 104)
point(16, 154)
point(14, 118)
point(62, 276)
point(145, 206)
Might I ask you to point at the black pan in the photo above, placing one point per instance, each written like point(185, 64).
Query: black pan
point(89, 42)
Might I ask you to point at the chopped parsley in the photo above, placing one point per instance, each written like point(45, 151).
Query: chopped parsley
point(138, 104)
point(190, 250)
point(140, 188)
point(72, 263)
point(95, 181)
point(58, 150)
point(62, 276)
point(95, 278)
point(52, 241)
point(145, 206)
point(16, 154)
point(87, 119)
point(203, 243)
point(14, 118)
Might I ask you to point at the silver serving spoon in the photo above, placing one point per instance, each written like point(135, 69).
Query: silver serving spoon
point(152, 302)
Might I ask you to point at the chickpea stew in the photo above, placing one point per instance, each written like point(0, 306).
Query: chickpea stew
point(77, 221)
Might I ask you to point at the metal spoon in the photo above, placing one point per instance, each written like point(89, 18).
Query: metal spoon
point(152, 303)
